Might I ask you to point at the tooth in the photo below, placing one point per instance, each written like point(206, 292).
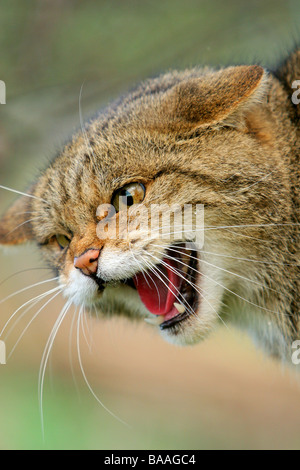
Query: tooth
point(155, 320)
point(179, 307)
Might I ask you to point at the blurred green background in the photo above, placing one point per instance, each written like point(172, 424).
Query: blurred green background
point(220, 394)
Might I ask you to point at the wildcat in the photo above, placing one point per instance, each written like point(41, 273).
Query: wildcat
point(227, 139)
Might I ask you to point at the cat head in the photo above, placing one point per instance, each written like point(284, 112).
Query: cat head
point(199, 140)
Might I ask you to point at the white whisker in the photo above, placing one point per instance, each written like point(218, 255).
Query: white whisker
point(87, 142)
point(84, 326)
point(45, 358)
point(22, 194)
point(39, 297)
point(254, 184)
point(26, 288)
point(222, 255)
point(191, 283)
point(234, 293)
point(70, 351)
point(84, 375)
point(229, 272)
point(145, 277)
point(32, 319)
point(23, 223)
point(154, 268)
point(23, 271)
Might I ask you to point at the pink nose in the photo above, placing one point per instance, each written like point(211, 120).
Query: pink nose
point(88, 262)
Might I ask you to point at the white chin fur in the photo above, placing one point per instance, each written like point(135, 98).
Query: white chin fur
point(81, 289)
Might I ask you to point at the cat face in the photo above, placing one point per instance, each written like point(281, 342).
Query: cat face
point(196, 139)
point(140, 272)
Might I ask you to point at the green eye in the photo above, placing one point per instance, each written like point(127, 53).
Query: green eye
point(132, 193)
point(63, 241)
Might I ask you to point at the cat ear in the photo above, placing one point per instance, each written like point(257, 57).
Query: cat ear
point(15, 225)
point(221, 97)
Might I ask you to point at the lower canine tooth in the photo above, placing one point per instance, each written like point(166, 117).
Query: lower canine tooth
point(179, 307)
point(155, 320)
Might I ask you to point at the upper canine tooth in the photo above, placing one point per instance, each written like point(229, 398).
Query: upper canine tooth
point(179, 307)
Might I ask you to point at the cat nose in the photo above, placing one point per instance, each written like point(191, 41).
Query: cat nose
point(87, 262)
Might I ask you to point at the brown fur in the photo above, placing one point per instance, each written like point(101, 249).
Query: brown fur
point(228, 139)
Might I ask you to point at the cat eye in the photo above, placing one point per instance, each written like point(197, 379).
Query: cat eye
point(63, 241)
point(132, 193)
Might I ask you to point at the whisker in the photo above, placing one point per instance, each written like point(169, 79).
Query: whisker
point(70, 351)
point(225, 270)
point(31, 306)
point(87, 142)
point(232, 257)
point(141, 268)
point(192, 284)
point(45, 357)
point(155, 285)
point(254, 184)
point(26, 212)
point(22, 194)
point(83, 325)
point(142, 271)
point(242, 298)
point(237, 295)
point(176, 271)
point(218, 267)
point(39, 297)
point(245, 300)
point(23, 223)
point(209, 227)
point(96, 312)
point(26, 288)
point(218, 227)
point(85, 377)
point(242, 235)
point(23, 271)
point(32, 319)
point(154, 268)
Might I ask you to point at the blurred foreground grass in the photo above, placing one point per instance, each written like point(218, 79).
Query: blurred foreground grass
point(220, 394)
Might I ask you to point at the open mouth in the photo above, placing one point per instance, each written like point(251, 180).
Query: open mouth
point(168, 289)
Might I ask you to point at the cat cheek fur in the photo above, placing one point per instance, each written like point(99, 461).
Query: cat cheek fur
point(15, 225)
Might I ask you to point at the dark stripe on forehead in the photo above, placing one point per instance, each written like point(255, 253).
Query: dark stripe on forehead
point(64, 193)
point(78, 181)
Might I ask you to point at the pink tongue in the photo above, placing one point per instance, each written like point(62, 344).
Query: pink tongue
point(158, 291)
